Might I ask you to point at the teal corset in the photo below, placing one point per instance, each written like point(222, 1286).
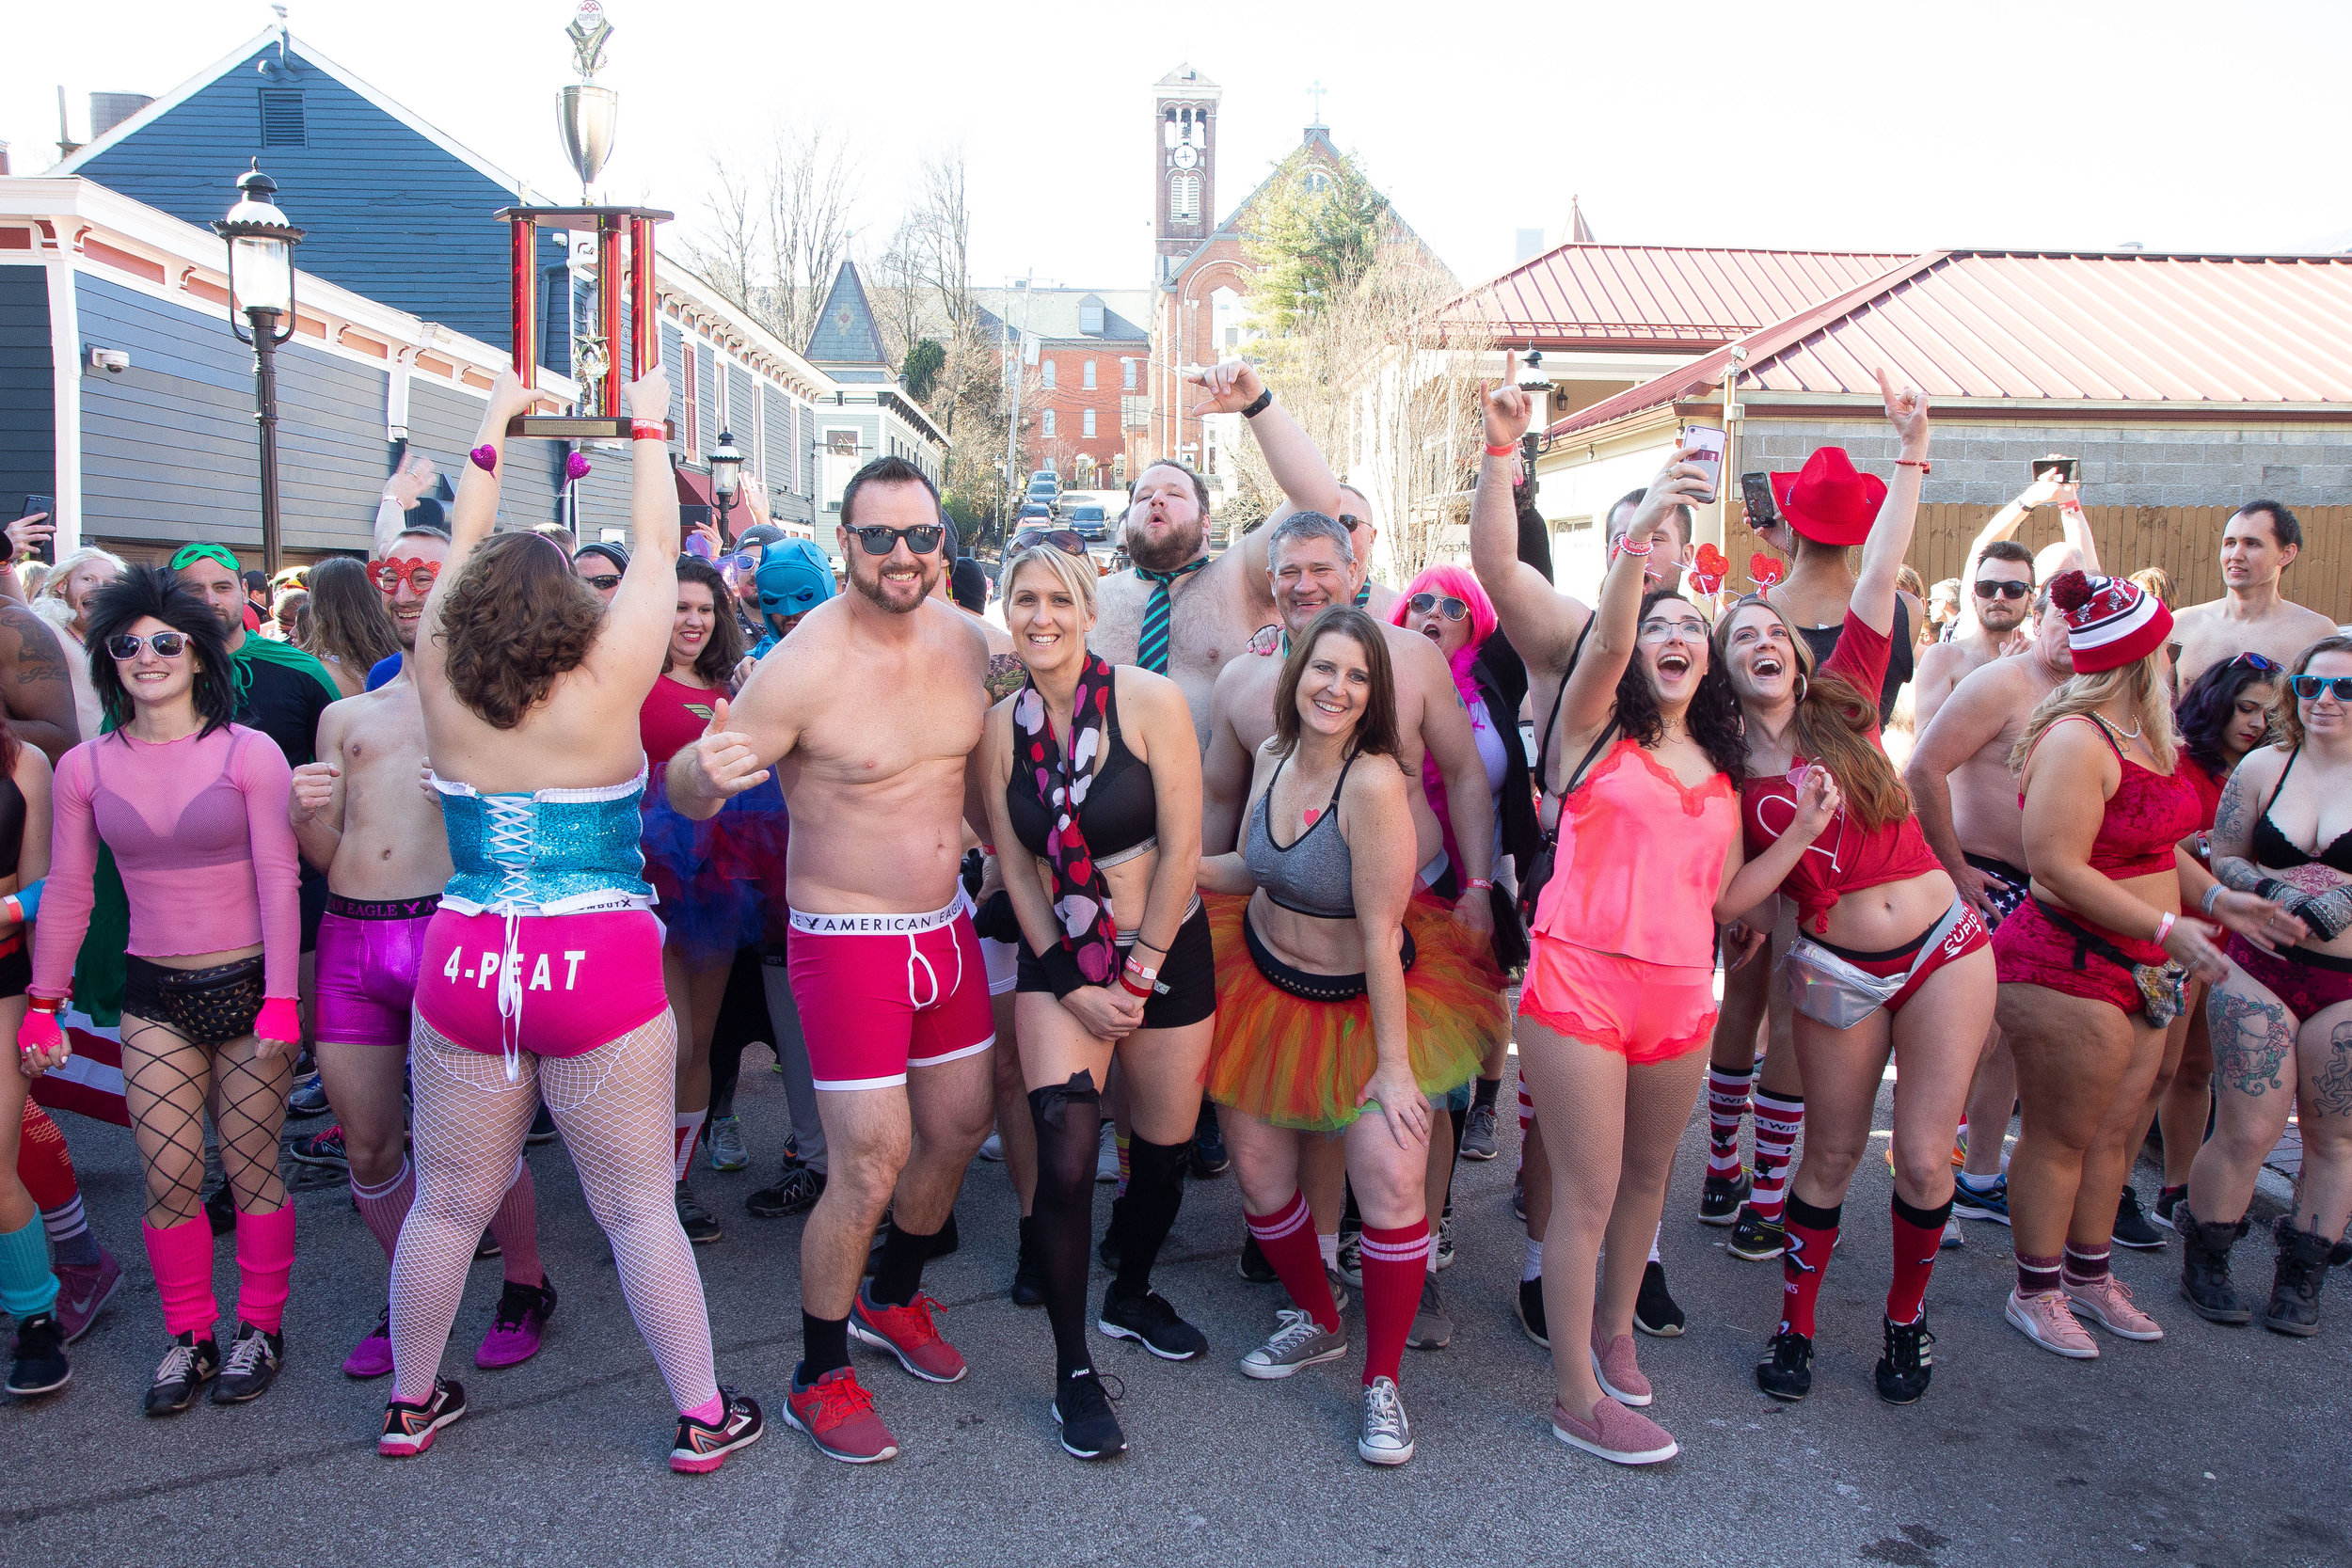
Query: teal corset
point(554, 851)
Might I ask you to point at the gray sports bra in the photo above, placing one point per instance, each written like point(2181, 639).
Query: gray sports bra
point(1315, 874)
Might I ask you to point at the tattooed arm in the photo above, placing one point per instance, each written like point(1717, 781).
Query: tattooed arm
point(36, 690)
point(2233, 832)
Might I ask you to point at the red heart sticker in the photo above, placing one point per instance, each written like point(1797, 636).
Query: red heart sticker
point(1311, 813)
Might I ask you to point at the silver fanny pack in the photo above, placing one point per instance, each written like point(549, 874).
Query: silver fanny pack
point(1833, 991)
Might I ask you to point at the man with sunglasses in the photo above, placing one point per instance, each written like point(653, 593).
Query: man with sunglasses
point(2258, 544)
point(1998, 588)
point(1179, 611)
point(868, 713)
point(601, 565)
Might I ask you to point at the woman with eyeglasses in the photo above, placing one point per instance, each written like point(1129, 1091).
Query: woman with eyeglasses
point(2225, 713)
point(1889, 961)
point(194, 809)
point(2280, 1018)
point(2090, 964)
point(541, 974)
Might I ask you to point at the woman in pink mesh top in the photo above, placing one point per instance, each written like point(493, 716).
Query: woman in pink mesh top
point(193, 808)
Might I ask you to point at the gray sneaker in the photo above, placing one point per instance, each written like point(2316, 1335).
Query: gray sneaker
point(1431, 1328)
point(1388, 1436)
point(1478, 1133)
point(1298, 1341)
point(726, 1136)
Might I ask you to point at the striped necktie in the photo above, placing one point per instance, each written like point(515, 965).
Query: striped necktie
point(1151, 645)
point(1363, 595)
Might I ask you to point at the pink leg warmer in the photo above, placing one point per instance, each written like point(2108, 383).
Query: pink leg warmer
point(181, 1258)
point(265, 1250)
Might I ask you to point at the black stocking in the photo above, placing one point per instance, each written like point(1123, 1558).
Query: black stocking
point(1155, 1190)
point(165, 1081)
point(1069, 1120)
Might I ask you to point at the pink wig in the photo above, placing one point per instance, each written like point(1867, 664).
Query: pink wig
point(1458, 582)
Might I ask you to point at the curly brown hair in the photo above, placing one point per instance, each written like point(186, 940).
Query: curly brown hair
point(517, 617)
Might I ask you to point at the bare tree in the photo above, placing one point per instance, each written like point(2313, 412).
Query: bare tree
point(811, 192)
point(731, 250)
point(897, 282)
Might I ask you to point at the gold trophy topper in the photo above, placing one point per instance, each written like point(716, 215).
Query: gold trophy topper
point(589, 32)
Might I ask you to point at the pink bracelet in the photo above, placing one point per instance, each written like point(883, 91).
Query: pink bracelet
point(2164, 929)
point(1631, 548)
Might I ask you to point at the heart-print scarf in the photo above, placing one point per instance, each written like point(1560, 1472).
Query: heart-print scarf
point(1059, 778)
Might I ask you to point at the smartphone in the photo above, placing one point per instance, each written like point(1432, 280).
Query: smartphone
point(2053, 468)
point(1705, 445)
point(46, 552)
point(1756, 489)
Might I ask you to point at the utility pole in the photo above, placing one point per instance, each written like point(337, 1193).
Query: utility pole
point(1012, 419)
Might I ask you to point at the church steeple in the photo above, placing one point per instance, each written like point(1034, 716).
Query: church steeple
point(1184, 165)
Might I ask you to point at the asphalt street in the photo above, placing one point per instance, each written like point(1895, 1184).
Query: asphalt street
point(2217, 1445)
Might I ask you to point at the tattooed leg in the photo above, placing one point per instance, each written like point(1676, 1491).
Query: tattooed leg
point(2253, 1040)
point(2324, 1093)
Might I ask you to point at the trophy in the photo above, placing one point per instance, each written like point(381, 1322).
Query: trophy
point(587, 115)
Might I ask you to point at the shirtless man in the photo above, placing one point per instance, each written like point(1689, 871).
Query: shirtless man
point(1998, 599)
point(1966, 800)
point(867, 712)
point(2258, 545)
point(360, 815)
point(1213, 605)
point(36, 690)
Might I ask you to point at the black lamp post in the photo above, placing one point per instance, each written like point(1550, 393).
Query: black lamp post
point(1536, 383)
point(726, 477)
point(261, 290)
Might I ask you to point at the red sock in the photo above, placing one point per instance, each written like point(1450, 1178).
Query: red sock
point(384, 1210)
point(1811, 1234)
point(42, 1162)
point(1395, 1262)
point(1727, 1108)
point(1919, 1235)
point(1287, 1237)
point(1778, 1117)
point(182, 1256)
point(266, 1252)
point(516, 1226)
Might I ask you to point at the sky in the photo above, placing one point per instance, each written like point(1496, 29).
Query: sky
point(1865, 126)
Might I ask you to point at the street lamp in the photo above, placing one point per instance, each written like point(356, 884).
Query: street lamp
point(261, 290)
point(726, 476)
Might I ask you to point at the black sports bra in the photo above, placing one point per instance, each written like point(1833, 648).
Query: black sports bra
point(2275, 850)
point(11, 825)
point(1823, 642)
point(1121, 813)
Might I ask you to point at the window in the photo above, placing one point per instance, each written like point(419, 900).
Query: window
point(841, 443)
point(1089, 422)
point(1183, 199)
point(1090, 316)
point(1089, 377)
point(1045, 373)
point(281, 118)
point(1049, 422)
point(693, 432)
point(1127, 368)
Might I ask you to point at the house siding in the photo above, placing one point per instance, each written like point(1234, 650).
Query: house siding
point(28, 452)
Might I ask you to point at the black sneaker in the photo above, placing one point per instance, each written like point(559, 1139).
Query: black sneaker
point(41, 1366)
point(323, 1150)
point(1082, 1408)
point(1757, 1238)
point(1908, 1363)
point(1208, 1158)
point(1028, 1270)
point(1151, 1323)
point(2133, 1227)
point(702, 1446)
point(487, 1249)
point(254, 1358)
point(1786, 1372)
point(192, 1362)
point(220, 1210)
point(1654, 1309)
point(1720, 1197)
point(410, 1429)
point(797, 1194)
point(701, 1226)
point(307, 1099)
point(1111, 1247)
point(542, 1126)
point(1530, 1312)
point(1518, 1195)
point(1254, 1268)
point(2168, 1200)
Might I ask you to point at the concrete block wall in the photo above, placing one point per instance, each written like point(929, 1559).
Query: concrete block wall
point(2122, 464)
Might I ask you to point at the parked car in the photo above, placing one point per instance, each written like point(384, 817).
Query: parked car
point(1034, 509)
point(1087, 520)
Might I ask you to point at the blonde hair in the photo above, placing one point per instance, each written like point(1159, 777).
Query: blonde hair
point(1077, 576)
point(2286, 711)
point(49, 598)
point(2079, 696)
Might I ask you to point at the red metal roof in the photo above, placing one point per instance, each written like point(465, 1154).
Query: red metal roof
point(2114, 327)
point(1619, 295)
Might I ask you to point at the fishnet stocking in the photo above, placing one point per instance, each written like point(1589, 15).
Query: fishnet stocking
point(167, 1082)
point(613, 1106)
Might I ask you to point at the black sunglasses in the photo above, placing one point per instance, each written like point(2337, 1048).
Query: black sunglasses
point(1349, 521)
point(2007, 588)
point(167, 644)
point(2306, 687)
point(1452, 608)
point(2256, 661)
point(922, 539)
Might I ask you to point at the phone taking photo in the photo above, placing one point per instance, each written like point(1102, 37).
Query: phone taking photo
point(46, 550)
point(1703, 446)
point(1757, 490)
point(2055, 468)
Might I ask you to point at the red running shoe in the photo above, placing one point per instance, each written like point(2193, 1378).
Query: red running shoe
point(910, 1333)
point(703, 1447)
point(837, 1413)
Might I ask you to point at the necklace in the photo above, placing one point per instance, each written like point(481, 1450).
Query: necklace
point(2117, 730)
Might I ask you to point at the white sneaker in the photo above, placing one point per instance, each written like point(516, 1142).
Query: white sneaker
point(1107, 1154)
point(1951, 1235)
point(1388, 1436)
point(995, 1147)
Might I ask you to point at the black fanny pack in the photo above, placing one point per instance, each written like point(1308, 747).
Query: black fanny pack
point(203, 1006)
point(2159, 985)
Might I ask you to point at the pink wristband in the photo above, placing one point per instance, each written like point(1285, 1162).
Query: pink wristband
point(279, 1020)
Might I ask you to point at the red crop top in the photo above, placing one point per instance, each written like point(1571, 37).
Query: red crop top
point(672, 717)
point(1844, 858)
point(2148, 815)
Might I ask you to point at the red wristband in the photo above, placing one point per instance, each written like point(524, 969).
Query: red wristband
point(44, 1004)
point(649, 430)
point(1503, 451)
point(1144, 991)
point(1921, 464)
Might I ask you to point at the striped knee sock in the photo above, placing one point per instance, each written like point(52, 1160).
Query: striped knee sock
point(1727, 1108)
point(1777, 1119)
point(1287, 1237)
point(1395, 1261)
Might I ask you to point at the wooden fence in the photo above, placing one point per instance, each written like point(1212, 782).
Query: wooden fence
point(2185, 541)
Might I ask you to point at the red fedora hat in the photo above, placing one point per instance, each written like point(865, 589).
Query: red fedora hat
point(1827, 500)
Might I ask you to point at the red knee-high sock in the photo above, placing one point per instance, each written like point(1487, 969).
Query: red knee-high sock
point(1918, 1236)
point(384, 1210)
point(1287, 1237)
point(42, 1162)
point(516, 1226)
point(265, 1246)
point(1394, 1262)
point(1778, 1117)
point(182, 1256)
point(1727, 1108)
point(1811, 1234)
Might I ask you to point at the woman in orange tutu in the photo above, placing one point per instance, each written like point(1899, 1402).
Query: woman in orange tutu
point(1354, 997)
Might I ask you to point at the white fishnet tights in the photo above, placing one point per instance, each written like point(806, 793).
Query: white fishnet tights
point(613, 1105)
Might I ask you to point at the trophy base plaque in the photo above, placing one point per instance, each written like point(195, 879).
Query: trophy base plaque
point(576, 427)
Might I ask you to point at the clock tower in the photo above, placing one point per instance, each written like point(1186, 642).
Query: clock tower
point(1183, 167)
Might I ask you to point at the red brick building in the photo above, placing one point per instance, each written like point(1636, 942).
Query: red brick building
point(1082, 394)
